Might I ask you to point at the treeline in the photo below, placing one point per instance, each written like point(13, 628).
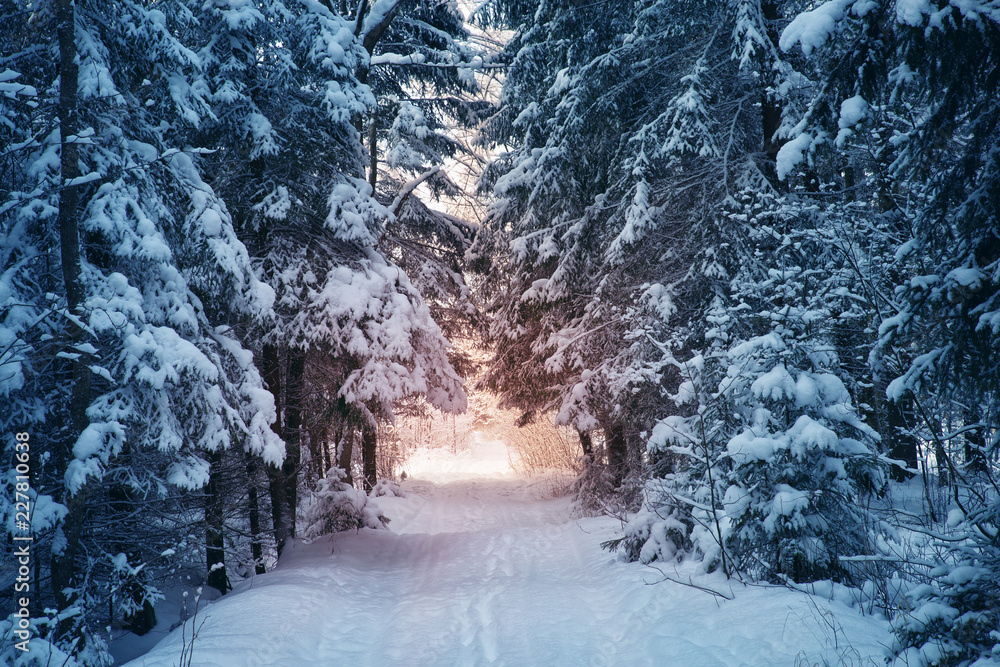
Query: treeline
point(752, 254)
point(212, 289)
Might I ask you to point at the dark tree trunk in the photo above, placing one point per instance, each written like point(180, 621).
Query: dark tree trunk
point(614, 435)
point(215, 546)
point(294, 394)
point(253, 509)
point(69, 231)
point(122, 502)
point(63, 562)
point(369, 444)
point(346, 453)
point(144, 619)
point(975, 446)
point(318, 440)
point(770, 109)
point(319, 452)
point(902, 445)
point(771, 121)
point(944, 475)
point(276, 484)
point(369, 40)
point(588, 446)
point(373, 154)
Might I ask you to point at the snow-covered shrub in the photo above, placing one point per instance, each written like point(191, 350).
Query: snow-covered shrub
point(386, 487)
point(592, 490)
point(336, 506)
point(658, 534)
point(955, 619)
point(797, 470)
point(38, 643)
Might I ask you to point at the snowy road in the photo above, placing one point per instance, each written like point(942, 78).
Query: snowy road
point(483, 571)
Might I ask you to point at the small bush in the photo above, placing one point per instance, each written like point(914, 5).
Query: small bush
point(336, 506)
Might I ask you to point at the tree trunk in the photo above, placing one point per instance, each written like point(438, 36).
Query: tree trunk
point(369, 40)
point(122, 502)
point(369, 442)
point(317, 440)
point(253, 503)
point(294, 394)
point(276, 485)
point(346, 453)
point(770, 109)
point(373, 154)
point(614, 435)
point(944, 475)
point(319, 437)
point(902, 445)
point(69, 231)
point(215, 546)
point(975, 446)
point(588, 446)
point(63, 560)
point(143, 619)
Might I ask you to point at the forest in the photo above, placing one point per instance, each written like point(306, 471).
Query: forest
point(748, 251)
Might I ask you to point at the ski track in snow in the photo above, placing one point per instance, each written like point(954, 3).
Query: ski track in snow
point(485, 570)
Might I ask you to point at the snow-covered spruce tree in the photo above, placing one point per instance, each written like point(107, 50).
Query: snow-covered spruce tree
point(767, 470)
point(682, 511)
point(628, 129)
point(352, 333)
point(279, 83)
point(571, 196)
point(802, 460)
point(430, 246)
point(422, 71)
point(942, 122)
point(121, 274)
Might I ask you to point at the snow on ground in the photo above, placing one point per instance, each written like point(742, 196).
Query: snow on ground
point(480, 568)
point(479, 459)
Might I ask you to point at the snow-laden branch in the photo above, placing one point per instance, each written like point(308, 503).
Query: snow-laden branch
point(377, 22)
point(408, 189)
point(418, 59)
point(359, 16)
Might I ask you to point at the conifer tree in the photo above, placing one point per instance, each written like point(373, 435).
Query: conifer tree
point(126, 372)
point(937, 136)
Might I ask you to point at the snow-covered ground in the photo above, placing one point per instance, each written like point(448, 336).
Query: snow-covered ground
point(480, 568)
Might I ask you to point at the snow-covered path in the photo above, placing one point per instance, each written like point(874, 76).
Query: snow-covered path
point(484, 571)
